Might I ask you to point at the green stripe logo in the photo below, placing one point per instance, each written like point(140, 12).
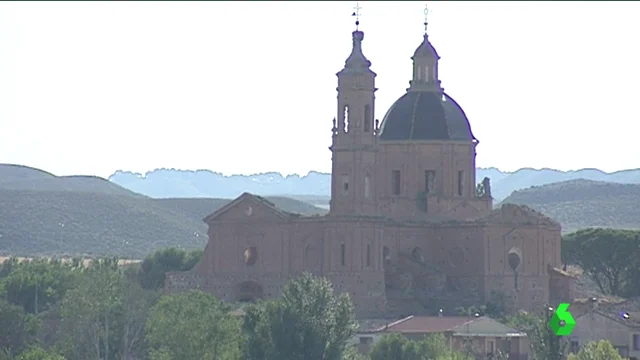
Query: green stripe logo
point(562, 322)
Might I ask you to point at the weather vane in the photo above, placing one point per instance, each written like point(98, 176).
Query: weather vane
point(356, 13)
point(426, 12)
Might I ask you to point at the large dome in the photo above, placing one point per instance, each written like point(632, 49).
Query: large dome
point(425, 115)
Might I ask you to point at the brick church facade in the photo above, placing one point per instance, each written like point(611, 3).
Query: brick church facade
point(408, 230)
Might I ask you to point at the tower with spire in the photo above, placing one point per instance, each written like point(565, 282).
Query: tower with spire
point(425, 64)
point(354, 138)
point(403, 202)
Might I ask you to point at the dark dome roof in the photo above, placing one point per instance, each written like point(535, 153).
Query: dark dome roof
point(425, 115)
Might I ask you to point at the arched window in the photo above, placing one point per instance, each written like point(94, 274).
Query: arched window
point(367, 186)
point(416, 254)
point(426, 73)
point(250, 256)
point(367, 118)
point(345, 184)
point(386, 253)
point(346, 118)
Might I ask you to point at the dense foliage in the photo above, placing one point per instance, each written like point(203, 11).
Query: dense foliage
point(397, 347)
point(609, 257)
point(55, 310)
point(307, 322)
point(601, 350)
point(580, 204)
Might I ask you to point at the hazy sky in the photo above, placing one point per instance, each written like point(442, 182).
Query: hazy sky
point(92, 87)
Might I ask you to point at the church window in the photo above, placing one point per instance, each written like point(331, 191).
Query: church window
point(367, 185)
point(250, 256)
point(418, 73)
point(426, 73)
point(367, 118)
point(429, 181)
point(368, 254)
point(386, 253)
point(345, 184)
point(395, 182)
point(346, 118)
point(416, 254)
point(343, 257)
point(460, 182)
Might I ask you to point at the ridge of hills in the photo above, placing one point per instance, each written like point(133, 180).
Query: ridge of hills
point(46, 215)
point(43, 215)
point(579, 204)
point(315, 187)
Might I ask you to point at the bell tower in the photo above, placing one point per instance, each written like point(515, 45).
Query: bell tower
point(354, 140)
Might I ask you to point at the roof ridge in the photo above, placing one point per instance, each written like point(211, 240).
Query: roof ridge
point(395, 323)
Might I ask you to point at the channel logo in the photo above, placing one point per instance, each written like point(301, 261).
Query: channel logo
point(562, 322)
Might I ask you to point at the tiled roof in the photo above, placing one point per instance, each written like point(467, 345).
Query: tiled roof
point(461, 325)
point(485, 326)
point(425, 115)
point(425, 324)
point(630, 307)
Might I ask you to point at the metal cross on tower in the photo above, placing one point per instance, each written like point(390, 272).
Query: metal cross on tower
point(356, 13)
point(426, 12)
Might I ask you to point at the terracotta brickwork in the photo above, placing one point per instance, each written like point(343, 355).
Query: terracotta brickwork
point(408, 230)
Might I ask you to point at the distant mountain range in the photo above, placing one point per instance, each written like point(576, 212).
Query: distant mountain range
point(168, 183)
point(43, 214)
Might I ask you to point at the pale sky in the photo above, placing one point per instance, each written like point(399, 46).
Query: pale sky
point(242, 88)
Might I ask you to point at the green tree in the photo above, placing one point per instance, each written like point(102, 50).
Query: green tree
point(308, 322)
point(92, 314)
point(153, 269)
point(396, 347)
point(133, 315)
point(546, 345)
point(389, 347)
point(37, 284)
point(7, 266)
point(192, 325)
point(352, 354)
point(37, 353)
point(600, 350)
point(16, 327)
point(605, 255)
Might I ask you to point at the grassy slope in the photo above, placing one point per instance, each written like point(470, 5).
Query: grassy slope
point(43, 215)
point(578, 204)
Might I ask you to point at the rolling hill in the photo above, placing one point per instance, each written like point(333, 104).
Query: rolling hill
point(45, 215)
point(18, 177)
point(578, 204)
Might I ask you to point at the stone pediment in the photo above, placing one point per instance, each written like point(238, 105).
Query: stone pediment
point(512, 214)
point(248, 207)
